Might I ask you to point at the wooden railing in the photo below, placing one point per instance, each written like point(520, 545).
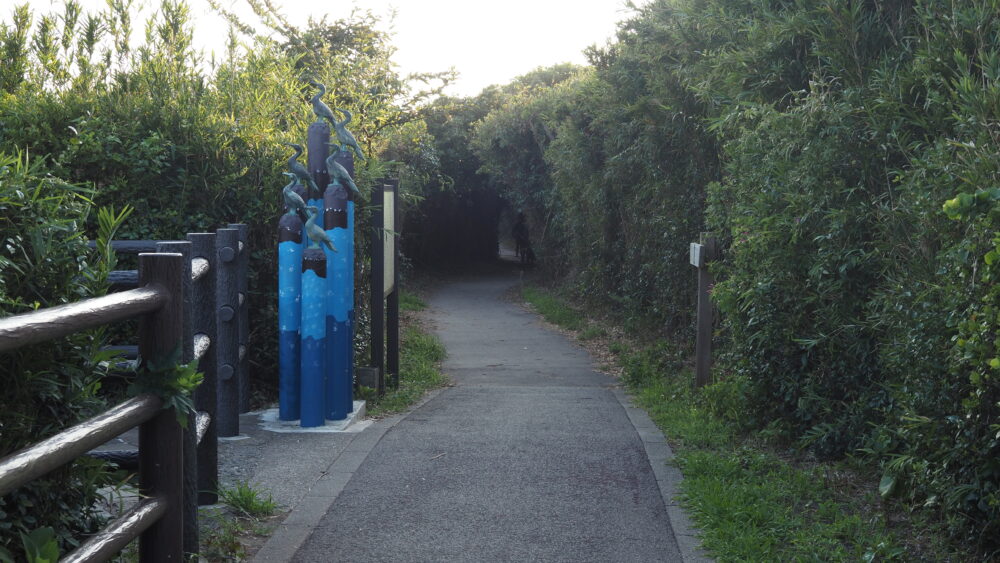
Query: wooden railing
point(217, 309)
point(215, 335)
point(158, 519)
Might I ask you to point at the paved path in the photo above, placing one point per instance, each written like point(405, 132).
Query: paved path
point(530, 456)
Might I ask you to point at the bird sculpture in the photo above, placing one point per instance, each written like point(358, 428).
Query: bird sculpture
point(321, 110)
point(293, 201)
point(316, 233)
point(300, 171)
point(338, 172)
point(345, 136)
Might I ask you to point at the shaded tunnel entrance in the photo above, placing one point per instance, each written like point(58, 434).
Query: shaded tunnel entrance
point(455, 228)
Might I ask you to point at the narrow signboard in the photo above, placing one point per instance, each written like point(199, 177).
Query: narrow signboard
point(388, 238)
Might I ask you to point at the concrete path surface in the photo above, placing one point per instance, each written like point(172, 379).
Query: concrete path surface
point(530, 456)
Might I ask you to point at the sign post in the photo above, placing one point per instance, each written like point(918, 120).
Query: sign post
point(701, 254)
point(390, 196)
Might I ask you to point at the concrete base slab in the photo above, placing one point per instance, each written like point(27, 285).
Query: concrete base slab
point(268, 420)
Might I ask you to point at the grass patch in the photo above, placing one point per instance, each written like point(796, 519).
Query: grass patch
point(419, 356)
point(246, 500)
point(226, 534)
point(749, 501)
point(222, 538)
point(553, 309)
point(410, 302)
point(592, 332)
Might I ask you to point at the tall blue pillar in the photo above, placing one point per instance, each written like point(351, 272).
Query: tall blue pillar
point(338, 397)
point(313, 331)
point(346, 159)
point(289, 315)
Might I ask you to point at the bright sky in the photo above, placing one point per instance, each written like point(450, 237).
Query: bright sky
point(488, 42)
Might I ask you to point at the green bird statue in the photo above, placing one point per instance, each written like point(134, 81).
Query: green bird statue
point(293, 201)
point(300, 171)
point(321, 110)
point(316, 233)
point(338, 172)
point(346, 137)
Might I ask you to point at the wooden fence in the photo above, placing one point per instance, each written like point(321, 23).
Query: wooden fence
point(208, 307)
point(158, 518)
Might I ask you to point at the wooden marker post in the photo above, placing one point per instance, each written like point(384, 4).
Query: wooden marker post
point(701, 254)
point(377, 287)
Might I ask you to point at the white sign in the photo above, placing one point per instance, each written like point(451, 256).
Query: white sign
point(697, 255)
point(388, 238)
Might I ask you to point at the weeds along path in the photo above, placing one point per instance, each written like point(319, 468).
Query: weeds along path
point(528, 456)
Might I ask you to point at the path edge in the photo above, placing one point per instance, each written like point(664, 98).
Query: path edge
point(668, 478)
point(305, 516)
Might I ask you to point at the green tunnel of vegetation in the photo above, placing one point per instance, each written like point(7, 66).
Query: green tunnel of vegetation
point(845, 153)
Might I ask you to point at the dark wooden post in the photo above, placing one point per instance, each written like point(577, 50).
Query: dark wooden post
point(242, 271)
point(203, 322)
point(377, 284)
point(392, 301)
point(701, 255)
point(227, 245)
point(190, 435)
point(317, 138)
point(161, 450)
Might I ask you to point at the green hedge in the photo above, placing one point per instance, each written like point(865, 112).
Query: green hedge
point(194, 144)
point(44, 262)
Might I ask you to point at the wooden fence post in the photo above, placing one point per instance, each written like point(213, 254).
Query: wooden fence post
point(161, 450)
point(190, 435)
point(701, 254)
point(242, 267)
point(227, 323)
point(203, 322)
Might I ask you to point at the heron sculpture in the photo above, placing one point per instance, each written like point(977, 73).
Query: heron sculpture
point(316, 233)
point(293, 201)
point(346, 137)
point(338, 172)
point(321, 110)
point(300, 171)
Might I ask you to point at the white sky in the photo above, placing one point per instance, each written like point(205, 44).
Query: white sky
point(488, 42)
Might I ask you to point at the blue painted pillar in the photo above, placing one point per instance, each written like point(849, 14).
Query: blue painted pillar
point(313, 336)
point(338, 384)
point(289, 314)
point(350, 303)
point(346, 159)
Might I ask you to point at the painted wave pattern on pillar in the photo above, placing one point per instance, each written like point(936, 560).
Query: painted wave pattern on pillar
point(335, 218)
point(350, 305)
point(289, 314)
point(313, 337)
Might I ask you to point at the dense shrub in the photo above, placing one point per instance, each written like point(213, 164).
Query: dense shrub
point(44, 262)
point(194, 146)
point(801, 269)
